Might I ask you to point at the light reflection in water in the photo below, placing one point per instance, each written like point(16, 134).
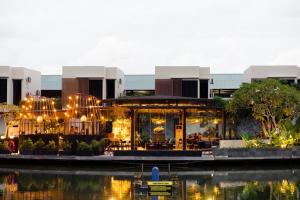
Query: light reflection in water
point(20, 184)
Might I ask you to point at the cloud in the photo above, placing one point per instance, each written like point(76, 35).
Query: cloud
point(135, 35)
point(289, 58)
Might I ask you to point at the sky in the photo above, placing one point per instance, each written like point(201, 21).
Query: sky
point(137, 35)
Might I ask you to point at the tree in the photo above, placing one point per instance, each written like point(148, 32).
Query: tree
point(269, 101)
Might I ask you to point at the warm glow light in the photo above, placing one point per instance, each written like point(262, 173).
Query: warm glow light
point(83, 118)
point(70, 97)
point(215, 121)
point(39, 119)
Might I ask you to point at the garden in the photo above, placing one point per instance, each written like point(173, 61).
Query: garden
point(275, 106)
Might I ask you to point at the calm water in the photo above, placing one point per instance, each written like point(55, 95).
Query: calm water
point(114, 185)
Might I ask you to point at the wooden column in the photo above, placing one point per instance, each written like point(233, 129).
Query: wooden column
point(132, 142)
point(184, 129)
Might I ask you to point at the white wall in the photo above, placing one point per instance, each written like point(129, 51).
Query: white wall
point(83, 72)
point(167, 72)
point(97, 72)
point(269, 71)
point(21, 73)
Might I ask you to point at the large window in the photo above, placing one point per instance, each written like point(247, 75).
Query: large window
point(17, 91)
point(110, 89)
point(225, 93)
point(203, 128)
point(95, 88)
point(3, 89)
point(190, 88)
point(204, 89)
point(157, 129)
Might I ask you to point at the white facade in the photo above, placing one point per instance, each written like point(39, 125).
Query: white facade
point(97, 72)
point(30, 81)
point(271, 71)
point(184, 73)
point(167, 72)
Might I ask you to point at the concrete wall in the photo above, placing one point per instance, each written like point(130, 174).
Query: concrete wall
point(72, 73)
point(22, 74)
point(168, 72)
point(271, 71)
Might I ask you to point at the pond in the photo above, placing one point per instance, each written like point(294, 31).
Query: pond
point(17, 183)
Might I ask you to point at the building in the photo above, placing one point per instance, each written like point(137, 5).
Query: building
point(17, 82)
point(184, 81)
point(51, 86)
point(139, 85)
point(224, 85)
point(110, 82)
point(289, 73)
point(99, 81)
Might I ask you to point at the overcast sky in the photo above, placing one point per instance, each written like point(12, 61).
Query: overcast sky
point(136, 35)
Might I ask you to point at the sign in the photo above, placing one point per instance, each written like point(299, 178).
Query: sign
point(160, 188)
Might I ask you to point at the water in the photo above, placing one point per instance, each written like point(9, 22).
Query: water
point(35, 184)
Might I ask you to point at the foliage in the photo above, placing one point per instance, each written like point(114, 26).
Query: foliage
point(219, 102)
point(27, 145)
point(4, 146)
point(51, 146)
point(66, 145)
point(39, 145)
point(83, 146)
point(103, 144)
point(255, 142)
point(269, 101)
point(288, 136)
point(95, 146)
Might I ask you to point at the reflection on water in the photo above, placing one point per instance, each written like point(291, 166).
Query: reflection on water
point(208, 185)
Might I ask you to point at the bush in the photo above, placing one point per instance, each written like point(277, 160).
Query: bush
point(66, 145)
point(103, 144)
point(39, 145)
point(95, 146)
point(51, 146)
point(84, 149)
point(4, 146)
point(26, 145)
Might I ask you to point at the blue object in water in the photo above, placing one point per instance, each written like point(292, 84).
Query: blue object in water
point(155, 174)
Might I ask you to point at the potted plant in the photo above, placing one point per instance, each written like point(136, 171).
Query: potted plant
point(4, 149)
point(84, 149)
point(39, 147)
point(66, 146)
point(50, 148)
point(26, 147)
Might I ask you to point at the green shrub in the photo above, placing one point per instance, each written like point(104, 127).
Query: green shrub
point(39, 145)
point(66, 145)
point(103, 144)
point(27, 145)
point(83, 146)
point(51, 146)
point(4, 146)
point(95, 146)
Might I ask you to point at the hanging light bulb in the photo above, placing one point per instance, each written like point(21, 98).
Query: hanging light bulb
point(83, 118)
point(39, 119)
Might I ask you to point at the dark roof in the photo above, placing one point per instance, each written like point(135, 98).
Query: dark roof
point(156, 98)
